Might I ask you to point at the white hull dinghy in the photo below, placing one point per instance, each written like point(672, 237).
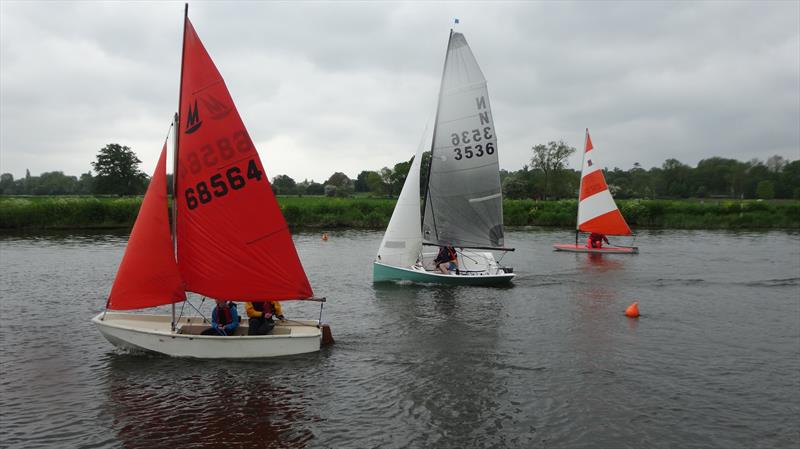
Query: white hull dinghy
point(232, 242)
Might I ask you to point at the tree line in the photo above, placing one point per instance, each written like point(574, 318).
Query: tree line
point(116, 172)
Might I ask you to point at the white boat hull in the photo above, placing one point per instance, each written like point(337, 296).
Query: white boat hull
point(152, 333)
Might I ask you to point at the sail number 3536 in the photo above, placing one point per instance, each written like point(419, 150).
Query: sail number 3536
point(219, 185)
point(473, 137)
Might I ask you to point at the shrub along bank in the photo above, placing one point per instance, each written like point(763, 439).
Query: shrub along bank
point(59, 212)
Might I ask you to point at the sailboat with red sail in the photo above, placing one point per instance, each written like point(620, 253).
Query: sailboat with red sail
point(227, 240)
point(597, 211)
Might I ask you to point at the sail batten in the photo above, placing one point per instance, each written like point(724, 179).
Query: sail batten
point(597, 211)
point(463, 203)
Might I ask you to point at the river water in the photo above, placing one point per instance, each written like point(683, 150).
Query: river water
point(552, 362)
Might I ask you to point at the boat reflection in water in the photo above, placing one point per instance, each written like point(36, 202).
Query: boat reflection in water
point(158, 402)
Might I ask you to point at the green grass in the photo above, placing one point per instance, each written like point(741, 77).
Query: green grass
point(65, 212)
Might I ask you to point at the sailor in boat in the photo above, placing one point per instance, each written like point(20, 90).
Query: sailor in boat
point(596, 240)
point(260, 315)
point(224, 319)
point(446, 260)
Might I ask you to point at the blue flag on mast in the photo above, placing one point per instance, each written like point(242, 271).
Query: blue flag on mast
point(456, 21)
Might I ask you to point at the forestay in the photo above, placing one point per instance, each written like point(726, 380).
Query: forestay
point(597, 211)
point(233, 242)
point(463, 203)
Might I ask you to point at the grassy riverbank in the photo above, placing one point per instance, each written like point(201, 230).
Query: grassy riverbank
point(322, 212)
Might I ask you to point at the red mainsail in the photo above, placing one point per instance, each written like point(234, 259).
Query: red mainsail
point(597, 211)
point(148, 274)
point(233, 242)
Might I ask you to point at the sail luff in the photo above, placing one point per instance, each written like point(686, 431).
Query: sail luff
point(433, 137)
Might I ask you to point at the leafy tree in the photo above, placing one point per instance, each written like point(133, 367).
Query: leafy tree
point(118, 171)
point(55, 183)
point(375, 183)
point(7, 186)
point(551, 159)
point(360, 183)
point(343, 184)
point(315, 188)
point(515, 187)
point(399, 175)
point(284, 185)
point(765, 190)
point(86, 184)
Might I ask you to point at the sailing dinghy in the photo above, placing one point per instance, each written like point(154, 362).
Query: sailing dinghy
point(463, 204)
point(232, 241)
point(597, 211)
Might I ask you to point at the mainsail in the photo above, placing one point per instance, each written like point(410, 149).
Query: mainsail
point(597, 211)
point(233, 242)
point(402, 243)
point(463, 200)
point(148, 274)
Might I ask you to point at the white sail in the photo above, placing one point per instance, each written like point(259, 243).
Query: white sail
point(402, 242)
point(464, 204)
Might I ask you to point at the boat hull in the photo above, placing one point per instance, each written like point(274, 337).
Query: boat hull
point(152, 333)
point(387, 273)
point(573, 248)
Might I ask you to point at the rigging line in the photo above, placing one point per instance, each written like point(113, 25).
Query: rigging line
point(171, 124)
point(205, 320)
point(298, 323)
point(319, 323)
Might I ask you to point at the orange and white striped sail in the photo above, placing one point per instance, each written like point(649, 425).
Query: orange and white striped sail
point(597, 211)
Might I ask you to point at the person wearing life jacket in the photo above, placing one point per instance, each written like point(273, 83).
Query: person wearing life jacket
point(224, 319)
point(260, 315)
point(596, 240)
point(446, 260)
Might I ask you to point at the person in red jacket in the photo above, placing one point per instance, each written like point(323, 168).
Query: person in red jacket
point(260, 315)
point(596, 240)
point(224, 319)
point(446, 260)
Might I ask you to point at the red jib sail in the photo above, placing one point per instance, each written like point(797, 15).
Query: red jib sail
point(233, 242)
point(597, 211)
point(148, 275)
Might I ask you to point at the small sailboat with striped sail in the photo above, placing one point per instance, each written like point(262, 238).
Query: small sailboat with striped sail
point(463, 203)
point(231, 240)
point(597, 211)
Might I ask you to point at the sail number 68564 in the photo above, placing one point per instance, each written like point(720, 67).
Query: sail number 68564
point(201, 193)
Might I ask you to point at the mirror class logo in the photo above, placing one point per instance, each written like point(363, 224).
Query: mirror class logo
point(216, 109)
point(193, 121)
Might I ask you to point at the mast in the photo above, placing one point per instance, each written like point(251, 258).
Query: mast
point(580, 186)
point(175, 157)
point(433, 140)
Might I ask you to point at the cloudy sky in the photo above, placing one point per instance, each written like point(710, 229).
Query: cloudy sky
point(347, 86)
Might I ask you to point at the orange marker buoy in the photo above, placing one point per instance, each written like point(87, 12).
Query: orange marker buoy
point(325, 236)
point(632, 311)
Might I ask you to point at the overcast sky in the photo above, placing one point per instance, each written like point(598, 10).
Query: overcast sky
point(348, 86)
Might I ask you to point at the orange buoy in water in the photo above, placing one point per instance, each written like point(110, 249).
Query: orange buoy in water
point(325, 236)
point(632, 311)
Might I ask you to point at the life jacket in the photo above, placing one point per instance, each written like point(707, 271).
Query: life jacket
point(452, 253)
point(259, 306)
point(224, 316)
